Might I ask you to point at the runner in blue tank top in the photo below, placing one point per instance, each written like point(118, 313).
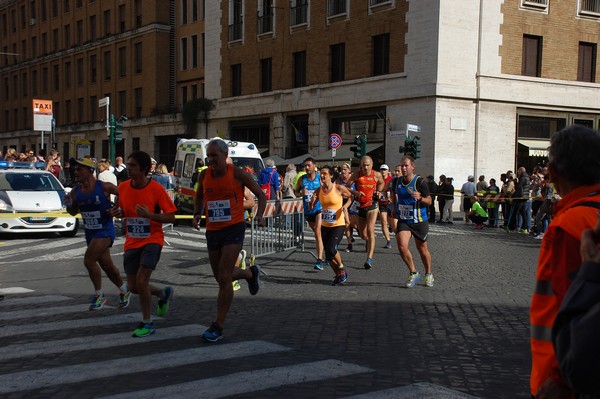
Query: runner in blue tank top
point(410, 201)
point(306, 187)
point(91, 198)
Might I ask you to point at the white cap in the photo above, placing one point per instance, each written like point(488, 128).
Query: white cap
point(384, 166)
point(152, 160)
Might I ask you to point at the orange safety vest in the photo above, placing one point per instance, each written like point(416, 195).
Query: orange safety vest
point(554, 275)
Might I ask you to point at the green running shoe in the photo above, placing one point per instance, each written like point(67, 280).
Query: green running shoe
point(144, 329)
point(163, 303)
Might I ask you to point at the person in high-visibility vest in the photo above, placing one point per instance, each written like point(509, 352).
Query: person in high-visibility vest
point(574, 167)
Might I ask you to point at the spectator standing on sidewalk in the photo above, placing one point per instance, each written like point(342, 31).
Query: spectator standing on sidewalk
point(492, 205)
point(146, 205)
point(468, 190)
point(574, 167)
point(522, 211)
point(220, 197)
point(90, 197)
point(411, 199)
point(441, 198)
point(447, 191)
point(433, 189)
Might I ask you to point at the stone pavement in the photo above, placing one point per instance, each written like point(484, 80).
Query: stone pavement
point(468, 334)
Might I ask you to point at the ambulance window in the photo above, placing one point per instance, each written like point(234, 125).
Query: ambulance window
point(188, 165)
point(178, 168)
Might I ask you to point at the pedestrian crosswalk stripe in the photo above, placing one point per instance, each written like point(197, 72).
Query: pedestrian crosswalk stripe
point(14, 290)
point(45, 311)
point(10, 331)
point(47, 377)
point(52, 246)
point(422, 390)
point(100, 341)
point(250, 381)
point(32, 300)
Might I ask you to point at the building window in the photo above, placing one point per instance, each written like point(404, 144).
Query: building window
point(590, 7)
point(266, 67)
point(43, 10)
point(79, 32)
point(107, 66)
point(45, 80)
point(68, 73)
point(532, 56)
point(265, 17)
point(381, 54)
point(236, 20)
point(33, 47)
point(194, 50)
point(300, 69)
point(78, 3)
point(54, 8)
point(337, 7)
point(80, 110)
point(55, 39)
point(138, 13)
point(56, 77)
point(92, 27)
point(25, 86)
point(298, 12)
point(203, 49)
point(236, 79)
point(137, 47)
point(194, 92)
point(93, 68)
point(122, 25)
point(138, 102)
point(184, 96)
point(66, 6)
point(184, 12)
point(44, 43)
point(93, 108)
point(32, 13)
point(122, 62)
point(106, 18)
point(80, 72)
point(194, 10)
point(122, 102)
point(337, 55)
point(586, 69)
point(23, 15)
point(68, 111)
point(183, 59)
point(34, 82)
point(67, 38)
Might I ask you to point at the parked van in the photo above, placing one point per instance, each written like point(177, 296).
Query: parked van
point(191, 155)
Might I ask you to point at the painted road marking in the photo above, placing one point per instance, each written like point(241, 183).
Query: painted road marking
point(14, 290)
point(421, 390)
point(251, 381)
point(46, 377)
point(98, 342)
point(32, 300)
point(9, 331)
point(41, 312)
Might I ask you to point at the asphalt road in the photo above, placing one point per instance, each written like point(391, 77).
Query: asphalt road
point(299, 337)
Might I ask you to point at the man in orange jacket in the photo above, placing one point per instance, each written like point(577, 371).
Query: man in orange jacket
point(574, 168)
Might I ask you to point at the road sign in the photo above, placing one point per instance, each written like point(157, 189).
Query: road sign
point(103, 102)
point(333, 152)
point(335, 140)
point(413, 128)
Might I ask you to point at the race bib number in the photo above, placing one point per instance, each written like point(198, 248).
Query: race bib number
point(328, 215)
point(405, 212)
point(354, 207)
point(138, 227)
point(219, 211)
point(91, 220)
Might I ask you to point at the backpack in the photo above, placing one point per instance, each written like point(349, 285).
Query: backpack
point(266, 187)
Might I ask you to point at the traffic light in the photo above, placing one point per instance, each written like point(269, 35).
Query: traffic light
point(416, 150)
point(358, 149)
point(411, 147)
point(115, 131)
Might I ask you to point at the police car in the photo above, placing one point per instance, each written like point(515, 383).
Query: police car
point(36, 198)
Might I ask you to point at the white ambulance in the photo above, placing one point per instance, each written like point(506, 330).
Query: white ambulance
point(187, 162)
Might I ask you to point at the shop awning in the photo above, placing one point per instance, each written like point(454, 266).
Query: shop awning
point(537, 148)
point(343, 153)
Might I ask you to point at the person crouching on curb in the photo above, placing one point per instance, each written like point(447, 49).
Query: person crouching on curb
point(477, 214)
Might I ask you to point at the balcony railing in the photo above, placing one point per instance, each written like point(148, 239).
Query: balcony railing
point(265, 24)
point(336, 7)
point(235, 31)
point(590, 6)
point(299, 15)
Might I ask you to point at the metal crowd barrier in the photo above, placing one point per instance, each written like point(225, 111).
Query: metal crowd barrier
point(283, 230)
